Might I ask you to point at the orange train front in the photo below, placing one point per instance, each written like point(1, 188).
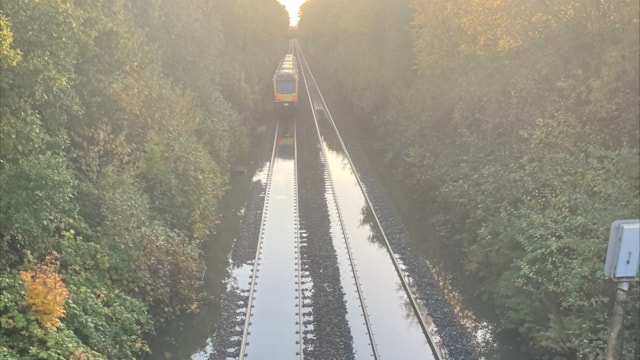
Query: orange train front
point(285, 83)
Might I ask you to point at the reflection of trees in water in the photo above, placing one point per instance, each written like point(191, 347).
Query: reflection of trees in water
point(328, 133)
point(286, 121)
point(367, 219)
point(376, 237)
point(332, 143)
point(482, 331)
point(410, 314)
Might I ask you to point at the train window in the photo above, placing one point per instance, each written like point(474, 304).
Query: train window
point(286, 86)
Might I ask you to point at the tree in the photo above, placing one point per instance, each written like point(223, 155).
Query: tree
point(506, 131)
point(45, 292)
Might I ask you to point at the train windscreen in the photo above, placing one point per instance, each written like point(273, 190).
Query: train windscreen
point(286, 86)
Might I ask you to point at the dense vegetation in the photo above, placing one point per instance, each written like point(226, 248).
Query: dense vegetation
point(515, 126)
point(119, 123)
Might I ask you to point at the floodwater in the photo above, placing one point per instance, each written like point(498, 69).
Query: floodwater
point(361, 341)
point(189, 338)
point(397, 333)
point(273, 333)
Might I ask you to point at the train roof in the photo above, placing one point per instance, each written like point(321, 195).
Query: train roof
point(288, 66)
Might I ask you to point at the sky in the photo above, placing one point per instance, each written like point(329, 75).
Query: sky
point(292, 7)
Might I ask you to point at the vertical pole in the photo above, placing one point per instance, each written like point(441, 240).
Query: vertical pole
point(616, 319)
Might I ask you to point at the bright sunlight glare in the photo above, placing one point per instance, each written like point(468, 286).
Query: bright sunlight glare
point(292, 7)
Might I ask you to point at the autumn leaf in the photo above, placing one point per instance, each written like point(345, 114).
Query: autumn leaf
point(45, 292)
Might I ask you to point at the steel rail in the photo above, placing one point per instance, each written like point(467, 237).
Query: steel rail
point(405, 284)
point(368, 325)
point(298, 254)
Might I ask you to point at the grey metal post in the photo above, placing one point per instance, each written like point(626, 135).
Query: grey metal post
point(616, 319)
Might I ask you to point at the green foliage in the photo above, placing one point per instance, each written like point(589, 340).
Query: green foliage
point(164, 260)
point(547, 278)
point(120, 120)
point(253, 32)
point(46, 33)
point(22, 336)
point(364, 46)
point(179, 174)
point(515, 127)
point(107, 321)
point(8, 55)
point(217, 47)
point(37, 195)
point(36, 183)
point(100, 322)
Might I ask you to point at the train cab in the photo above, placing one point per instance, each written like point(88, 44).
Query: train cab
point(285, 83)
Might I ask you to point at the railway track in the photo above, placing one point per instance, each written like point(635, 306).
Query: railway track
point(322, 114)
point(370, 348)
point(277, 257)
point(385, 319)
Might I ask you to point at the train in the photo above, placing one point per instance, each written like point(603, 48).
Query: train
point(285, 83)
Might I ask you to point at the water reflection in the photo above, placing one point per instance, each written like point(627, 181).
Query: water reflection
point(261, 175)
point(360, 337)
point(273, 313)
point(397, 335)
point(482, 330)
point(368, 220)
point(204, 354)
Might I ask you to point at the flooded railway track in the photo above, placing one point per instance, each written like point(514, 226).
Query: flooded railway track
point(394, 320)
point(312, 274)
point(276, 320)
point(274, 324)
